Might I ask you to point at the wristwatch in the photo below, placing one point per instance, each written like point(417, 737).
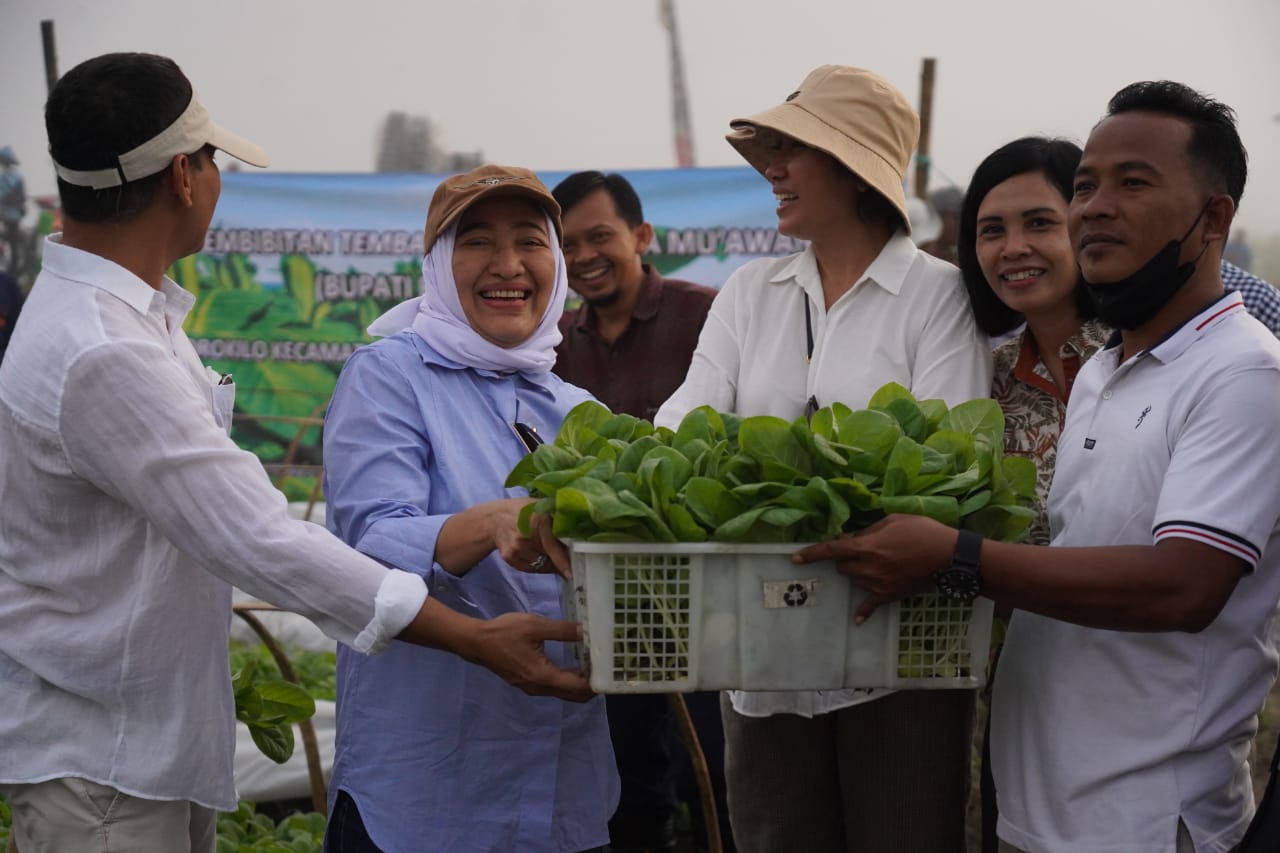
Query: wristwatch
point(961, 579)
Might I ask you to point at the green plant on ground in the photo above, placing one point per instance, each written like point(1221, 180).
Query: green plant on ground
point(269, 706)
point(316, 671)
point(246, 831)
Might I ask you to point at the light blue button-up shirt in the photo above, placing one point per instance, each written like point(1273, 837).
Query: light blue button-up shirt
point(440, 754)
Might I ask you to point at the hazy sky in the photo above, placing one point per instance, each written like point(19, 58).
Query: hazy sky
point(568, 84)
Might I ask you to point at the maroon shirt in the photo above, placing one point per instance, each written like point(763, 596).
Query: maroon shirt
point(646, 364)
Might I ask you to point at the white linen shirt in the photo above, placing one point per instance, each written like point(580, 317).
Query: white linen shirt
point(1102, 740)
point(907, 320)
point(128, 512)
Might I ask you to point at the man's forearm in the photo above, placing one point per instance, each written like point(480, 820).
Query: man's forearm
point(1173, 586)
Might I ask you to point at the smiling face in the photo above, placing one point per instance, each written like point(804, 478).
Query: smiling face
point(1023, 246)
point(505, 268)
point(602, 252)
point(1135, 190)
point(816, 195)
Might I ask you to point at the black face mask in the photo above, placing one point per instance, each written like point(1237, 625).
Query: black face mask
point(1136, 298)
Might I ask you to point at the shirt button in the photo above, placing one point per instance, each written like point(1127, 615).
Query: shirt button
point(1106, 395)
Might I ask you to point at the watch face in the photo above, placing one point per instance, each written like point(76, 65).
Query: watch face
point(959, 584)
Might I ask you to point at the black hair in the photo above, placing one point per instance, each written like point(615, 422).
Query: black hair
point(103, 108)
point(1215, 147)
point(875, 209)
point(1057, 160)
point(573, 189)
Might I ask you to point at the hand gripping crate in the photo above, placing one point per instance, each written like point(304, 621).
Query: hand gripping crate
point(714, 616)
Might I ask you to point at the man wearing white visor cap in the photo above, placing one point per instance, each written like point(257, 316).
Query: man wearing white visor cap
point(130, 513)
point(189, 133)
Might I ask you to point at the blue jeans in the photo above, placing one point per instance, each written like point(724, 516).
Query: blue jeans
point(345, 832)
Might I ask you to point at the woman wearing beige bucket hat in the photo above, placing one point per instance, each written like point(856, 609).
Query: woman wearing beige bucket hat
point(861, 306)
point(435, 753)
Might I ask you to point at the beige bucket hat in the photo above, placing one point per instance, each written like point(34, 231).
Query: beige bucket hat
point(850, 113)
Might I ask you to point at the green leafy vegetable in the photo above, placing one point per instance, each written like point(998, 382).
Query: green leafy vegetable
point(760, 479)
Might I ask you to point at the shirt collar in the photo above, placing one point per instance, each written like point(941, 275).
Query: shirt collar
point(1180, 339)
point(431, 356)
point(888, 271)
point(1079, 348)
point(83, 267)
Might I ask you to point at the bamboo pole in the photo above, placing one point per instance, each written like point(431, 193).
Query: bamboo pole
point(701, 773)
point(926, 127)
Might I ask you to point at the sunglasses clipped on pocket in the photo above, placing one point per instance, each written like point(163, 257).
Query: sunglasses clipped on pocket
point(528, 435)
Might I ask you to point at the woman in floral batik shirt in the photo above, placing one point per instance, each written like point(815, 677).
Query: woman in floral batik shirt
point(1017, 264)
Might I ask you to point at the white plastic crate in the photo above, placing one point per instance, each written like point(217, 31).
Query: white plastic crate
point(673, 618)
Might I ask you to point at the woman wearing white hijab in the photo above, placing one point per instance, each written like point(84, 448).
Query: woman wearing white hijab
point(433, 752)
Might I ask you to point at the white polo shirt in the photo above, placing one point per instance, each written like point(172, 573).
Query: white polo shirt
point(1102, 739)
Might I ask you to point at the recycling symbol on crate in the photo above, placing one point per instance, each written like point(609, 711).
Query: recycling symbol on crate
point(790, 593)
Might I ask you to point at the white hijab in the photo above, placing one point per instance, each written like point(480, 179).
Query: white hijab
point(438, 318)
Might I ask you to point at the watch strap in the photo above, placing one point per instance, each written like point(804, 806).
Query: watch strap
point(968, 549)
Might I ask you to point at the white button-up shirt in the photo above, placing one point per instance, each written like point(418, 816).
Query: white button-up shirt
point(128, 512)
point(907, 320)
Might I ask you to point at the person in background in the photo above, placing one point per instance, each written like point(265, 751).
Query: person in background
point(1156, 599)
point(630, 344)
point(13, 206)
point(631, 340)
point(1017, 265)
point(1238, 253)
point(129, 512)
point(861, 306)
point(1261, 299)
point(434, 752)
point(946, 203)
point(10, 307)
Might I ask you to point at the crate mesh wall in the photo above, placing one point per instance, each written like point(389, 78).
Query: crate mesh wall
point(933, 637)
point(651, 617)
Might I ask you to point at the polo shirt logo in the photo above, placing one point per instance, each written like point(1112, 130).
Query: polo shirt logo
point(1145, 412)
point(1089, 443)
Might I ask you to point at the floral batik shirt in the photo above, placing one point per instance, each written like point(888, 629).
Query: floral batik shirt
point(1034, 409)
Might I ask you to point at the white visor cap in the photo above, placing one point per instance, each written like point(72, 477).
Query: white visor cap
point(190, 132)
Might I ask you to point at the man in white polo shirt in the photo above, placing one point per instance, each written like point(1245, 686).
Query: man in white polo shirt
point(1141, 650)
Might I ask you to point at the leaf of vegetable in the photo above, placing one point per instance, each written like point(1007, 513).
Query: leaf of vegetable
point(770, 442)
point(1003, 523)
point(580, 429)
point(943, 508)
point(887, 394)
point(710, 502)
point(284, 702)
point(977, 417)
point(275, 742)
point(1020, 474)
point(910, 417)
